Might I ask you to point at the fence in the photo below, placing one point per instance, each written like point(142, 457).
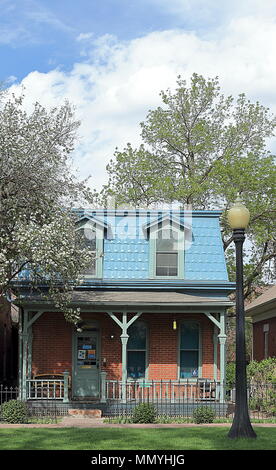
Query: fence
point(42, 410)
point(170, 398)
point(180, 398)
point(174, 398)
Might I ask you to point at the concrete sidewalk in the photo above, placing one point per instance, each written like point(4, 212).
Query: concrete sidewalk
point(69, 422)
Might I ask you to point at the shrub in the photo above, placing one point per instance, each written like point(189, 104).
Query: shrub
point(263, 371)
point(14, 411)
point(144, 413)
point(203, 414)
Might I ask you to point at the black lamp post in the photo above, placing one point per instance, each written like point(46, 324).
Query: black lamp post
point(238, 218)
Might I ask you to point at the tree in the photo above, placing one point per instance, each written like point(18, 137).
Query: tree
point(202, 148)
point(37, 193)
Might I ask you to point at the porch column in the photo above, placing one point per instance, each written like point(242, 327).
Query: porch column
point(25, 351)
point(124, 324)
point(124, 340)
point(222, 341)
point(24, 356)
point(215, 342)
point(20, 342)
point(103, 386)
point(66, 386)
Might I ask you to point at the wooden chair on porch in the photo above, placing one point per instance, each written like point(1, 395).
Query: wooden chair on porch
point(49, 385)
point(207, 389)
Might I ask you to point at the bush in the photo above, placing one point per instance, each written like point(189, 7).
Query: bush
point(263, 371)
point(144, 413)
point(14, 411)
point(203, 414)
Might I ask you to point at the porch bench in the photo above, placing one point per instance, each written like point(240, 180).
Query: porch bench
point(49, 385)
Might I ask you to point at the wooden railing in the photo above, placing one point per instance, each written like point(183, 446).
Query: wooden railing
point(164, 390)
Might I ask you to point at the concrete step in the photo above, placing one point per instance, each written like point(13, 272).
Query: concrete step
point(83, 413)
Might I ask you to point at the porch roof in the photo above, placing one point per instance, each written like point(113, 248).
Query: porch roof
point(138, 298)
point(131, 297)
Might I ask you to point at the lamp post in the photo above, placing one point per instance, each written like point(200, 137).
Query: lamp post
point(238, 218)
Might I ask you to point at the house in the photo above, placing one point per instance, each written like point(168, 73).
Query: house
point(153, 310)
point(262, 310)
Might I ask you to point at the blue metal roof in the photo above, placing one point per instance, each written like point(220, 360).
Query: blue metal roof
point(127, 248)
point(126, 252)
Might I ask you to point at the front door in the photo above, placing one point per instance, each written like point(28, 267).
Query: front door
point(86, 364)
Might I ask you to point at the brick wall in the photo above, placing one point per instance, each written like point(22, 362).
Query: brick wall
point(52, 344)
point(259, 339)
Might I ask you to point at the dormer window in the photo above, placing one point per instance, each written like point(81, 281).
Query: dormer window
point(166, 263)
point(167, 238)
point(167, 252)
point(89, 241)
point(91, 237)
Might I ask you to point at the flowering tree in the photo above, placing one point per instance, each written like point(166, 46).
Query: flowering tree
point(37, 193)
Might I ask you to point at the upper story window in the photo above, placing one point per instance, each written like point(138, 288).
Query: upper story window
point(166, 263)
point(92, 239)
point(167, 253)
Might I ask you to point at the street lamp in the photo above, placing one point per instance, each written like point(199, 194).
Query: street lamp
point(238, 218)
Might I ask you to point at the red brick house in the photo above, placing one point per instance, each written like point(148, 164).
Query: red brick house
point(262, 310)
point(153, 309)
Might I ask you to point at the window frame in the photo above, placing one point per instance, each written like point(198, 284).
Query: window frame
point(199, 376)
point(141, 379)
point(98, 252)
point(153, 252)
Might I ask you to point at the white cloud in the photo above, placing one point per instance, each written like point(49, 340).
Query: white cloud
point(118, 82)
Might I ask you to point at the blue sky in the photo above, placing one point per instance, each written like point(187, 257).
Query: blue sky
point(42, 34)
point(111, 58)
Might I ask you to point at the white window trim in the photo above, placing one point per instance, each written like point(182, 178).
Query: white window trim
point(99, 250)
point(152, 253)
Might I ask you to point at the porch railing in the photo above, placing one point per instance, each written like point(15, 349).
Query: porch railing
point(171, 391)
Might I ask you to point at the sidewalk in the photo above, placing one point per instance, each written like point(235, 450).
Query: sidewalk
point(70, 422)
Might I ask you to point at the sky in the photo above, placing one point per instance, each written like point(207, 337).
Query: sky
point(111, 59)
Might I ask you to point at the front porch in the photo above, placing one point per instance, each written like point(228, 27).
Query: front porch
point(180, 357)
point(175, 398)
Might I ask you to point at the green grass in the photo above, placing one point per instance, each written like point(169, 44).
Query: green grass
point(202, 438)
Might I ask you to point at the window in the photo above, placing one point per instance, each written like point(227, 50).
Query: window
point(167, 253)
point(136, 350)
point(88, 240)
point(91, 237)
point(266, 333)
point(189, 350)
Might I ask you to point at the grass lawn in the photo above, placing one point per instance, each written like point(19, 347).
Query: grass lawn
point(200, 438)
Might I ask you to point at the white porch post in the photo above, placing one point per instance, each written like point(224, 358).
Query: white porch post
point(103, 386)
point(20, 341)
point(124, 324)
point(222, 341)
point(24, 356)
point(124, 340)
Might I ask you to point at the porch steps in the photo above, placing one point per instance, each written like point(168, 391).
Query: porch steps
point(84, 413)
